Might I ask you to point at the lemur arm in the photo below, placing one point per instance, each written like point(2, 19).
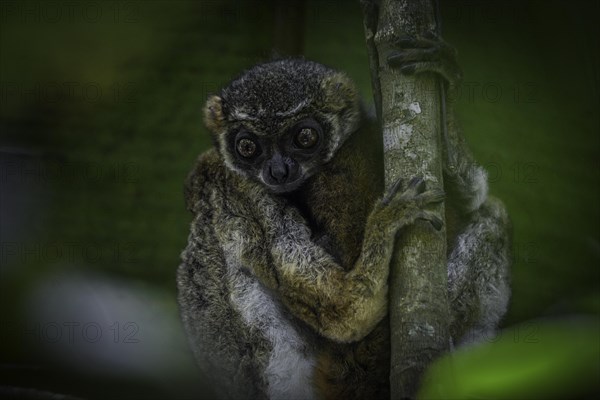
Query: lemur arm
point(343, 304)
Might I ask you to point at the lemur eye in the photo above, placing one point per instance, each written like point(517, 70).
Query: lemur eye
point(246, 147)
point(306, 138)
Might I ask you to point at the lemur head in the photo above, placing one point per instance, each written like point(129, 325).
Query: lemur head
point(280, 121)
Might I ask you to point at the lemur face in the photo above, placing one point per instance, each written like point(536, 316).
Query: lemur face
point(282, 162)
point(279, 122)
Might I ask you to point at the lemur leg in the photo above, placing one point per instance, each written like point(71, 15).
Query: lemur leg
point(478, 273)
point(479, 246)
point(479, 233)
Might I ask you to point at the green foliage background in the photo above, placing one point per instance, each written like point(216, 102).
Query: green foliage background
point(107, 170)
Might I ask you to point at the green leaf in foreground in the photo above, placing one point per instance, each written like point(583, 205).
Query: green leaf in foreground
point(537, 359)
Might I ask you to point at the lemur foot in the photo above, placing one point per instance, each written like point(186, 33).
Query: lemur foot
point(427, 53)
point(406, 206)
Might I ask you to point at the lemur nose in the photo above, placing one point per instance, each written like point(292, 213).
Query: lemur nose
point(279, 172)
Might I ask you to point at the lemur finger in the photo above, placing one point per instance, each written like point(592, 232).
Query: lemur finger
point(428, 40)
point(414, 42)
point(433, 219)
point(432, 196)
point(415, 186)
point(392, 192)
point(398, 58)
point(448, 72)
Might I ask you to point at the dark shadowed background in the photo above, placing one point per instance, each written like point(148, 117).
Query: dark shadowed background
point(100, 120)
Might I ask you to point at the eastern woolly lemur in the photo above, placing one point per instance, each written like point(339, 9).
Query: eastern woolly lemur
point(283, 283)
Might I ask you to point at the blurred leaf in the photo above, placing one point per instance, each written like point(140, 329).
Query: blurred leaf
point(537, 359)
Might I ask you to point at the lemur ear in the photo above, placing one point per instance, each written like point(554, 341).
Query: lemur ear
point(339, 91)
point(214, 117)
